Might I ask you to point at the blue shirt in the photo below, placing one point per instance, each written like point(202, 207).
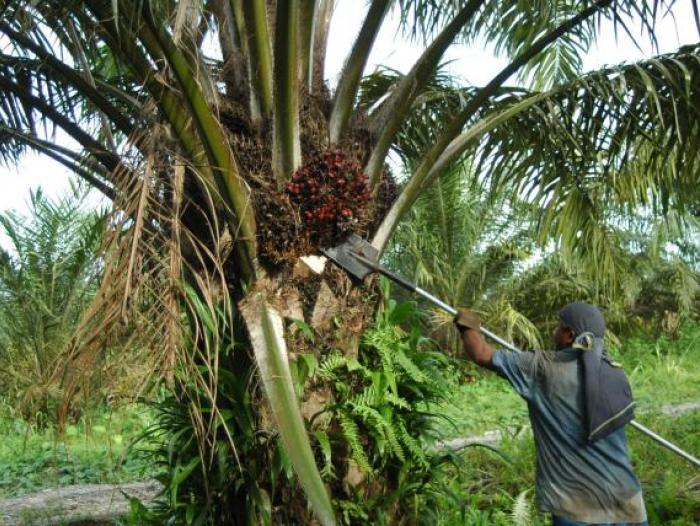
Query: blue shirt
point(589, 483)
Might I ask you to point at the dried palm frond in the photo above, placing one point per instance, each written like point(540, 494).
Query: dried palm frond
point(148, 249)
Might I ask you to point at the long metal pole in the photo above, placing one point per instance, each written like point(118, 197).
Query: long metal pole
point(451, 310)
point(678, 451)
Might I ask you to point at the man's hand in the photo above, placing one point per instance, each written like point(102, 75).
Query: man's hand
point(467, 319)
point(475, 347)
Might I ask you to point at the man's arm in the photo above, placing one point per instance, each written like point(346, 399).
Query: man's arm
point(515, 366)
point(477, 350)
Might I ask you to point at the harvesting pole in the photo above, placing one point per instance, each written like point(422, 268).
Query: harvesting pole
point(358, 258)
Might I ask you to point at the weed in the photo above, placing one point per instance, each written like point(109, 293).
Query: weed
point(93, 451)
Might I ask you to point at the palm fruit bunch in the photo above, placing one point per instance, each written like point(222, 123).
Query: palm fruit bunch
point(331, 194)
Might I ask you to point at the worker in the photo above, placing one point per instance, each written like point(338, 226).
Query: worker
point(578, 402)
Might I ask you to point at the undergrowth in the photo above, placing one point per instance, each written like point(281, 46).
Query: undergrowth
point(95, 450)
point(369, 436)
point(478, 487)
point(379, 412)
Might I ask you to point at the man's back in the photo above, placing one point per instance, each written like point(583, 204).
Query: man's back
point(591, 483)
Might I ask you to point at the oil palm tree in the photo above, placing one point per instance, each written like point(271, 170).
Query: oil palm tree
point(48, 275)
point(476, 246)
point(224, 172)
point(461, 241)
point(657, 288)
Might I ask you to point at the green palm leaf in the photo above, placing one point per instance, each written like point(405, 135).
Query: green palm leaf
point(267, 335)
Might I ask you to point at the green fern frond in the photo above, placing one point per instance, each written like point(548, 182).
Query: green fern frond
point(330, 364)
point(412, 445)
point(370, 396)
point(410, 367)
point(352, 434)
point(354, 365)
point(397, 401)
point(520, 514)
point(384, 341)
point(375, 421)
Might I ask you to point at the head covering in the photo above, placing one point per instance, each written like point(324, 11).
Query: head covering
point(608, 397)
point(583, 317)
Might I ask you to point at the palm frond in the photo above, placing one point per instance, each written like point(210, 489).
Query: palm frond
point(624, 136)
point(258, 54)
point(307, 12)
point(344, 97)
point(511, 27)
point(436, 102)
point(267, 338)
point(393, 113)
point(322, 24)
point(140, 295)
point(498, 20)
point(286, 148)
point(425, 168)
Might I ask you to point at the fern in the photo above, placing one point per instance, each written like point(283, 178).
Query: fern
point(384, 341)
point(397, 401)
point(352, 434)
point(410, 367)
point(374, 420)
point(368, 397)
point(377, 396)
point(413, 446)
point(520, 514)
point(328, 367)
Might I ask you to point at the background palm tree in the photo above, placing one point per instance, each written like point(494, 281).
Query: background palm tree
point(652, 286)
point(224, 172)
point(479, 248)
point(462, 242)
point(48, 276)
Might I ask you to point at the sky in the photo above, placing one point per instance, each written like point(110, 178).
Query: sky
point(472, 64)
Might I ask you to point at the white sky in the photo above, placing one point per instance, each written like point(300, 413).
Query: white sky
point(476, 66)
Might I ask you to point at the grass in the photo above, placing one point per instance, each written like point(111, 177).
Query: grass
point(93, 450)
point(494, 486)
point(491, 483)
point(484, 404)
point(664, 371)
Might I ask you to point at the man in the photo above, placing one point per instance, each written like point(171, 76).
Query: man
point(578, 404)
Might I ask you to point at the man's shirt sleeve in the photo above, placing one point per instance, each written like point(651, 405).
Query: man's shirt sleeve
point(517, 368)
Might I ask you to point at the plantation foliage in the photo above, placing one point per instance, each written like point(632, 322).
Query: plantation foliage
point(227, 167)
